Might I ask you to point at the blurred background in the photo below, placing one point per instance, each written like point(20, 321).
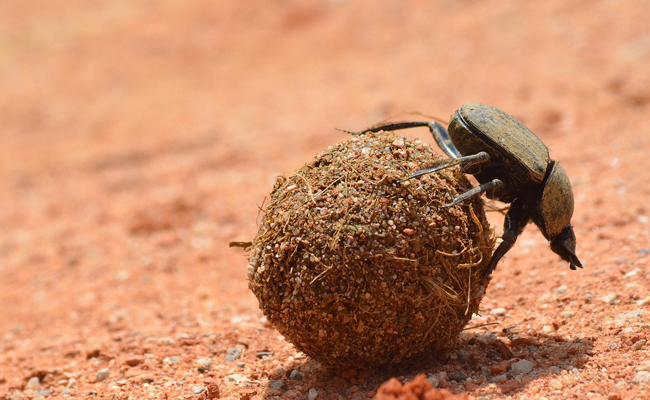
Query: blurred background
point(138, 138)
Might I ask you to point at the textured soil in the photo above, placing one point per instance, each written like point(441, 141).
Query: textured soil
point(137, 139)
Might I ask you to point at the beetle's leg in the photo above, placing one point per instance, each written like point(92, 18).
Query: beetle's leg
point(514, 223)
point(477, 190)
point(443, 139)
point(477, 159)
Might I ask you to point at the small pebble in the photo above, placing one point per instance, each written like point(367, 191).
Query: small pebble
point(102, 374)
point(610, 299)
point(172, 360)
point(296, 375)
point(275, 384)
point(633, 273)
point(499, 378)
point(236, 378)
point(644, 366)
point(642, 377)
point(529, 243)
point(498, 311)
point(33, 383)
point(644, 302)
point(233, 353)
point(638, 345)
point(521, 367)
point(204, 368)
point(457, 376)
point(312, 394)
point(555, 384)
point(134, 360)
point(278, 373)
point(433, 380)
point(199, 389)
point(561, 290)
point(203, 361)
point(262, 354)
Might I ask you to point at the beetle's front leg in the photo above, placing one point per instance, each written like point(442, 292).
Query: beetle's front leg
point(477, 160)
point(475, 191)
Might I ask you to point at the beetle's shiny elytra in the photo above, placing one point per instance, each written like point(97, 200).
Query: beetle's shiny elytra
point(512, 165)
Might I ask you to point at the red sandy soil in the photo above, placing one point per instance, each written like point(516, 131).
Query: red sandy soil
point(138, 138)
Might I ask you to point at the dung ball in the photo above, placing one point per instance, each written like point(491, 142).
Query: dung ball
point(358, 269)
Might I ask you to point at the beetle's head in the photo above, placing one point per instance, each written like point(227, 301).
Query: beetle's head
point(553, 215)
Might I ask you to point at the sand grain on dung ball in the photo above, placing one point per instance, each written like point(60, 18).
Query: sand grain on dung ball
point(357, 269)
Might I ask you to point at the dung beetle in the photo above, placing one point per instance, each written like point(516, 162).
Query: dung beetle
point(512, 165)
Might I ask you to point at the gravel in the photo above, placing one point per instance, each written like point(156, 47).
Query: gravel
point(102, 374)
point(296, 375)
point(275, 384)
point(233, 353)
point(642, 377)
point(611, 299)
point(521, 367)
point(198, 389)
point(498, 311)
point(33, 383)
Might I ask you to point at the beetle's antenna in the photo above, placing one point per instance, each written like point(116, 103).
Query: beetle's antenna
point(348, 132)
point(431, 117)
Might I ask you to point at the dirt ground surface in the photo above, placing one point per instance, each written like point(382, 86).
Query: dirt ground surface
point(138, 138)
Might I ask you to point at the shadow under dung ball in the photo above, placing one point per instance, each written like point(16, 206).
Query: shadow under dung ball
point(358, 270)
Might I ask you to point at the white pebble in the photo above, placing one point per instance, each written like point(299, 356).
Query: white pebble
point(199, 389)
point(610, 299)
point(633, 273)
point(638, 345)
point(102, 374)
point(312, 394)
point(644, 302)
point(33, 383)
point(498, 311)
point(644, 366)
point(642, 377)
point(561, 290)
